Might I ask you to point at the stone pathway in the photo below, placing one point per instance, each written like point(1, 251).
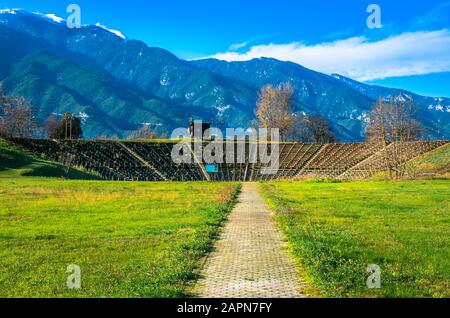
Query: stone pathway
point(250, 259)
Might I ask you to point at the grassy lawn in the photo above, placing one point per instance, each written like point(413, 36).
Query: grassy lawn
point(337, 229)
point(130, 239)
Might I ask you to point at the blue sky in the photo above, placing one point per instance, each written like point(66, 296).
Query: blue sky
point(411, 50)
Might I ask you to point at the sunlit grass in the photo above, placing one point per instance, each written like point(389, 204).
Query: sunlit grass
point(130, 239)
point(337, 229)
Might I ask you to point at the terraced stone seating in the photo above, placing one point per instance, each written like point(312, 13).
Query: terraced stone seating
point(152, 161)
point(256, 170)
point(377, 162)
point(293, 157)
point(43, 148)
point(159, 155)
point(235, 169)
point(109, 159)
point(334, 159)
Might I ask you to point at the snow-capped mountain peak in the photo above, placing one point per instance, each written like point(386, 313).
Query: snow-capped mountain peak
point(56, 19)
point(9, 11)
point(53, 17)
point(48, 16)
point(116, 32)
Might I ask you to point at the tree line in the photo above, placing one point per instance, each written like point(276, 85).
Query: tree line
point(18, 120)
point(391, 123)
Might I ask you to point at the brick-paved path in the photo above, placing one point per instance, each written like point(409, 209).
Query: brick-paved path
point(250, 258)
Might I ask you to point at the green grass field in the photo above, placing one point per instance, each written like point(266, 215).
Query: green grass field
point(143, 239)
point(337, 229)
point(130, 239)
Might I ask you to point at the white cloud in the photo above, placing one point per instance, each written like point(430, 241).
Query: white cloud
point(237, 46)
point(413, 53)
point(439, 14)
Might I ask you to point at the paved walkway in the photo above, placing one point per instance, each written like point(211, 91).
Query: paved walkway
point(250, 258)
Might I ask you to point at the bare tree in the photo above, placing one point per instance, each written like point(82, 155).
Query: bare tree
point(16, 117)
point(392, 124)
point(274, 108)
point(50, 125)
point(316, 129)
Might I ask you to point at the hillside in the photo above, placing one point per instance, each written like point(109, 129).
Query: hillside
point(434, 164)
point(142, 84)
point(314, 92)
point(433, 112)
point(343, 101)
point(106, 105)
point(154, 70)
point(14, 162)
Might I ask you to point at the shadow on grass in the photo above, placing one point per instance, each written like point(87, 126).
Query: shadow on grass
point(20, 163)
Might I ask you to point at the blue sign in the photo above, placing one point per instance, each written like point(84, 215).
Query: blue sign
point(212, 168)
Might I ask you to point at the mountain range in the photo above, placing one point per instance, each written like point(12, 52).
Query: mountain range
point(116, 85)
